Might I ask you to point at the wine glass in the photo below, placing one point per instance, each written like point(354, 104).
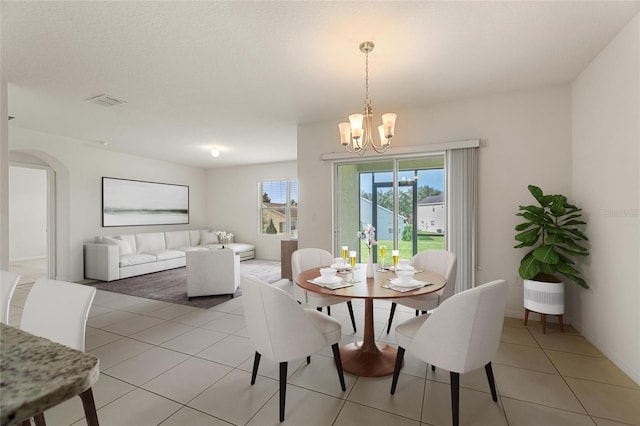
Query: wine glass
point(394, 255)
point(383, 251)
point(352, 262)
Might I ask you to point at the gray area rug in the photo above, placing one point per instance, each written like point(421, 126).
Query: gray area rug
point(171, 285)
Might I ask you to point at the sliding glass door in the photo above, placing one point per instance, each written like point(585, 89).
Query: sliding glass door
point(404, 199)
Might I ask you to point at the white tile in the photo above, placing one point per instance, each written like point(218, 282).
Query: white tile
point(95, 338)
point(120, 350)
point(132, 325)
point(198, 317)
point(229, 306)
point(161, 333)
point(188, 416)
point(321, 376)
point(231, 351)
point(529, 414)
point(108, 318)
point(144, 367)
point(137, 408)
point(228, 323)
point(233, 399)
point(269, 368)
point(194, 341)
point(302, 407)
point(187, 380)
point(376, 392)
point(146, 307)
point(355, 414)
point(171, 311)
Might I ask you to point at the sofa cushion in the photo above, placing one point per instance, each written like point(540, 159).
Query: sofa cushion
point(208, 237)
point(136, 259)
point(193, 248)
point(125, 247)
point(175, 239)
point(167, 254)
point(147, 243)
point(194, 237)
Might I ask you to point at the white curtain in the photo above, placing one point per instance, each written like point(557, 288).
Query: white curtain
point(462, 172)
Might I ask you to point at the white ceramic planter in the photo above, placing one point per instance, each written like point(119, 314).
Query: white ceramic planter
point(543, 297)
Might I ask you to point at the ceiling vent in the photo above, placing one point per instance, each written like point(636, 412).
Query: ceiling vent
point(106, 101)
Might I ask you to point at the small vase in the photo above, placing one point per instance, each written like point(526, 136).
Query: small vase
point(369, 268)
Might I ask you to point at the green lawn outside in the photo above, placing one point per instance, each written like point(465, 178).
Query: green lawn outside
point(425, 242)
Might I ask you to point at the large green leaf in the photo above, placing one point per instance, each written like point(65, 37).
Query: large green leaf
point(578, 234)
point(555, 238)
point(573, 252)
point(523, 226)
point(546, 254)
point(574, 223)
point(528, 236)
point(566, 269)
point(536, 192)
point(529, 267)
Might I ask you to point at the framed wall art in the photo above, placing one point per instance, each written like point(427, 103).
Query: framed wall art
point(133, 202)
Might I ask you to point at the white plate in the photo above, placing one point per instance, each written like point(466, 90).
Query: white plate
point(340, 267)
point(405, 268)
point(412, 283)
point(328, 280)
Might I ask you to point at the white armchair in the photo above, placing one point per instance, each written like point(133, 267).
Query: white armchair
point(212, 272)
point(444, 263)
point(282, 330)
point(8, 283)
point(308, 258)
point(462, 335)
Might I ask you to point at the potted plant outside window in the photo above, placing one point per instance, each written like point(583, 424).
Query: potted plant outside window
point(551, 229)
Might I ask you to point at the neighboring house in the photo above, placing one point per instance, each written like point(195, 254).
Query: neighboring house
point(384, 228)
point(431, 217)
point(277, 212)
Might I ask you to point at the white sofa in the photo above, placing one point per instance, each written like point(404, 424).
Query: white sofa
point(122, 256)
point(212, 272)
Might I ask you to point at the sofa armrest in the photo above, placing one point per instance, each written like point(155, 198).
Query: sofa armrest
point(102, 261)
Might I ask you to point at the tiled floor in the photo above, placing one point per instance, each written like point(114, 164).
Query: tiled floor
point(165, 364)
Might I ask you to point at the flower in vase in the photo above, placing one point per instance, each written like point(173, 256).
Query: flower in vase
point(368, 235)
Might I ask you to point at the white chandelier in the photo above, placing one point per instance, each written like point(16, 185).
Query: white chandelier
point(356, 135)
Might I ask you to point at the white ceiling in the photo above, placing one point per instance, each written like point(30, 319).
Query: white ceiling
point(240, 76)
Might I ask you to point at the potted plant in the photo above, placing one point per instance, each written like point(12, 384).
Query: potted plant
point(552, 230)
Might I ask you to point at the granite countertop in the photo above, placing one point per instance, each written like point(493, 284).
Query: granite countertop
point(37, 374)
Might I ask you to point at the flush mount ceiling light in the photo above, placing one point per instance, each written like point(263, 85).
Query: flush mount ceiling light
point(356, 136)
point(215, 153)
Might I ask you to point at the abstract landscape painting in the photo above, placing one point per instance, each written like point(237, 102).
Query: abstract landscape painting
point(132, 202)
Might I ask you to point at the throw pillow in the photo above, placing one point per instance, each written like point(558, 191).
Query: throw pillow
point(208, 237)
point(125, 247)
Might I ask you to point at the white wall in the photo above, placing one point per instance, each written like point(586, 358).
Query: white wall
point(27, 213)
point(606, 181)
point(79, 169)
point(233, 200)
point(525, 139)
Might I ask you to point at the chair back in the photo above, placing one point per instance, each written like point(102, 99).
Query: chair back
point(442, 262)
point(307, 258)
point(8, 282)
point(277, 325)
point(58, 310)
point(464, 332)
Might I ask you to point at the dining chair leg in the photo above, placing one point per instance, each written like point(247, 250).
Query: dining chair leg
point(393, 311)
point(433, 367)
point(455, 396)
point(319, 309)
point(308, 359)
point(492, 382)
point(38, 419)
point(329, 310)
point(336, 357)
point(283, 388)
point(417, 312)
point(89, 406)
point(396, 370)
point(256, 362)
point(353, 319)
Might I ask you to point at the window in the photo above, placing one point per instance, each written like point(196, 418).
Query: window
point(279, 207)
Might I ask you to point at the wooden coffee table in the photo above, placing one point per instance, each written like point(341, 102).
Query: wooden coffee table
point(368, 358)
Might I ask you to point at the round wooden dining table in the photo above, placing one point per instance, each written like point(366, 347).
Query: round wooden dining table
point(368, 358)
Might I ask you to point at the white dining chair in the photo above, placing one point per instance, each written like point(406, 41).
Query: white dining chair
point(307, 258)
point(58, 311)
point(440, 261)
point(462, 335)
point(282, 330)
point(8, 283)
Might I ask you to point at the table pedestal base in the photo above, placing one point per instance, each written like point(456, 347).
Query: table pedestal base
point(366, 361)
